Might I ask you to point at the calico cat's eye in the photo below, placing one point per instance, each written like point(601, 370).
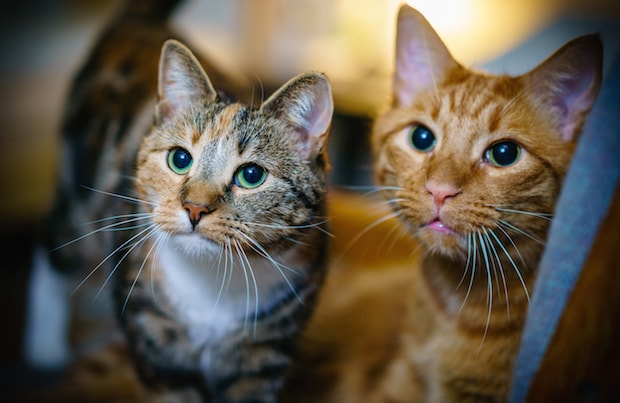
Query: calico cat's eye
point(250, 176)
point(503, 154)
point(179, 160)
point(421, 138)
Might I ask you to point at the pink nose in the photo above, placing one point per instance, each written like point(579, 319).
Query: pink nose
point(196, 212)
point(441, 192)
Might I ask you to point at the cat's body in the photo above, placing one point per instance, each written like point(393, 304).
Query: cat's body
point(205, 215)
point(472, 165)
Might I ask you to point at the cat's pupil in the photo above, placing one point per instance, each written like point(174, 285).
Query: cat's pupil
point(250, 176)
point(422, 138)
point(503, 154)
point(179, 160)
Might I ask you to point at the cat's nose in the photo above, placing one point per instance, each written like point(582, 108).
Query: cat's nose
point(196, 212)
point(441, 192)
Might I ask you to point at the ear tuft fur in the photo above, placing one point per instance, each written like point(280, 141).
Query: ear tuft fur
point(182, 81)
point(306, 103)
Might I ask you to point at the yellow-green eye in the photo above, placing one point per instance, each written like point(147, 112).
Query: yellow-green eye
point(250, 176)
point(503, 154)
point(421, 138)
point(179, 160)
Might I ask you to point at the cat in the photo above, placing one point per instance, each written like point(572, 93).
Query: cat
point(471, 164)
point(198, 220)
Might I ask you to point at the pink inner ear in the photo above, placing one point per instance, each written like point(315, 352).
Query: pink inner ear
point(422, 59)
point(573, 101)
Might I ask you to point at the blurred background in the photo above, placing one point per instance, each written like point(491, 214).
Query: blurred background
point(43, 42)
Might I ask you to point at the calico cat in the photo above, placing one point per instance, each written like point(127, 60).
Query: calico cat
point(472, 165)
point(207, 217)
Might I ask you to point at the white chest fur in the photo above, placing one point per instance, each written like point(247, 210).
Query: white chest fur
point(217, 291)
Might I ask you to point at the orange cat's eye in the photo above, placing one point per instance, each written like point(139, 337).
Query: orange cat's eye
point(422, 139)
point(503, 154)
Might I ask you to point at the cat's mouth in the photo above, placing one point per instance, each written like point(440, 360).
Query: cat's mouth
point(438, 226)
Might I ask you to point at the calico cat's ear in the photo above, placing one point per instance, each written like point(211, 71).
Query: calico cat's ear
point(568, 82)
point(182, 81)
point(422, 59)
point(306, 103)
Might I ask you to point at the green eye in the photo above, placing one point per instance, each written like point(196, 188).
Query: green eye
point(250, 176)
point(421, 138)
point(503, 154)
point(179, 160)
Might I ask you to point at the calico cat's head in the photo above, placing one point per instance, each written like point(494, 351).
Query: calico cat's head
point(472, 158)
point(215, 171)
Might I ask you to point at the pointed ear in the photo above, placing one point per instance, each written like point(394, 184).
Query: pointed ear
point(182, 81)
point(422, 59)
point(569, 81)
point(306, 103)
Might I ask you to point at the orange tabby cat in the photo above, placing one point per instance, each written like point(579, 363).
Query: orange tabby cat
point(472, 165)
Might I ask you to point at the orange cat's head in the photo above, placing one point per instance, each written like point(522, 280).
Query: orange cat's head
point(475, 162)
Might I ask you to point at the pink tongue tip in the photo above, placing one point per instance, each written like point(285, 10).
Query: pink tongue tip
point(437, 225)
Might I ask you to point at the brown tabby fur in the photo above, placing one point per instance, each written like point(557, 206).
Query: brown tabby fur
point(211, 275)
point(444, 323)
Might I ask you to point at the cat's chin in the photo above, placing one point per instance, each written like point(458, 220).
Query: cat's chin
point(195, 246)
point(443, 241)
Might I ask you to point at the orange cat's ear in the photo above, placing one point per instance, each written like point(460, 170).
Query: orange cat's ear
point(182, 81)
point(422, 59)
point(306, 103)
point(568, 82)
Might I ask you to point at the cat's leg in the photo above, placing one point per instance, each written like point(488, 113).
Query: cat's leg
point(48, 315)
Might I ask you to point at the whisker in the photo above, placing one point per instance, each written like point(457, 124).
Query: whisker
point(123, 245)
point(134, 215)
point(151, 230)
point(489, 288)
point(467, 262)
point(522, 93)
point(520, 231)
point(369, 227)
point(93, 232)
point(304, 226)
point(473, 270)
point(544, 216)
point(370, 190)
point(507, 235)
point(258, 248)
point(278, 266)
point(247, 282)
point(249, 266)
point(146, 257)
point(500, 268)
point(120, 196)
point(517, 271)
point(161, 239)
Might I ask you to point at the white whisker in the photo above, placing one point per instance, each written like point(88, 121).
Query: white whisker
point(489, 288)
point(369, 227)
point(247, 282)
point(520, 231)
point(305, 226)
point(146, 257)
point(258, 248)
point(101, 229)
point(123, 245)
point(500, 268)
point(149, 231)
point(544, 216)
point(517, 271)
point(473, 270)
point(120, 196)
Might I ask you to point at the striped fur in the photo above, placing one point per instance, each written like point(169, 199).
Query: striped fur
point(211, 281)
point(444, 324)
